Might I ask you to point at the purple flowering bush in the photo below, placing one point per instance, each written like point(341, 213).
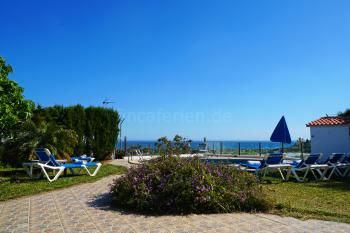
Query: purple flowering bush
point(173, 185)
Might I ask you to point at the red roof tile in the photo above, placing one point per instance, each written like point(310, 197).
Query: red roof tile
point(329, 121)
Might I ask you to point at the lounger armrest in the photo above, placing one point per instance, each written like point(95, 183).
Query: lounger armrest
point(61, 160)
point(31, 163)
point(249, 169)
point(318, 166)
point(48, 166)
point(278, 165)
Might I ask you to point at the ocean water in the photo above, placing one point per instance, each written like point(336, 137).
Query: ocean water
point(215, 145)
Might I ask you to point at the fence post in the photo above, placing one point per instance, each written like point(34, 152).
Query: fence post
point(260, 149)
point(125, 149)
point(221, 147)
point(214, 150)
point(239, 149)
point(302, 150)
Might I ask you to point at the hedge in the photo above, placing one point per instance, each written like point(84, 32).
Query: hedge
point(96, 127)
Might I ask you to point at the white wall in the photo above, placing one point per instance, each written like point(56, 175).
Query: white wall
point(330, 139)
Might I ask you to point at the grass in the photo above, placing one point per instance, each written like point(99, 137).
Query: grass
point(15, 183)
point(324, 200)
point(327, 200)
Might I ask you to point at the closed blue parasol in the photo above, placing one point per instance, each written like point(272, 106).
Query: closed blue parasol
point(281, 133)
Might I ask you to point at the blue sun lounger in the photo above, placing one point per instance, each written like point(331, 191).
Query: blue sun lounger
point(269, 163)
point(307, 165)
point(82, 158)
point(48, 162)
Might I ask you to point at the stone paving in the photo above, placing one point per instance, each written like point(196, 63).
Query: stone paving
point(124, 162)
point(84, 208)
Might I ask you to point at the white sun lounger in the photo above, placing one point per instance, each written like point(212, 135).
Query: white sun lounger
point(47, 162)
point(306, 166)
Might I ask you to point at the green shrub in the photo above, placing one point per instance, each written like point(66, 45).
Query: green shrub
point(173, 185)
point(101, 132)
point(119, 154)
point(178, 146)
point(96, 127)
point(29, 136)
point(14, 108)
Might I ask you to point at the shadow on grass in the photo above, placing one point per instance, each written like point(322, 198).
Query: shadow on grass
point(336, 183)
point(10, 173)
point(340, 184)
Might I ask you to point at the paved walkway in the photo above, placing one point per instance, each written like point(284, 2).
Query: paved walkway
point(84, 208)
point(124, 162)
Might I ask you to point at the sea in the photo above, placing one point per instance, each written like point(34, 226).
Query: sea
point(215, 145)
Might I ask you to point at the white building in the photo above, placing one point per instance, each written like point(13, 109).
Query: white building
point(330, 135)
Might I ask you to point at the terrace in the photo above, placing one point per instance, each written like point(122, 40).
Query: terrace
point(84, 208)
point(89, 76)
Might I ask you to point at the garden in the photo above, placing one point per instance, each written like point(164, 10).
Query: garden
point(65, 131)
point(170, 185)
point(166, 185)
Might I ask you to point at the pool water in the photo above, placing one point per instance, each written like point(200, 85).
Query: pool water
point(225, 161)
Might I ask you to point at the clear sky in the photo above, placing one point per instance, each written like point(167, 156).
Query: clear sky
point(220, 69)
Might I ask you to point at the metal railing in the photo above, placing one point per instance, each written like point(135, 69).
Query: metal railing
point(222, 148)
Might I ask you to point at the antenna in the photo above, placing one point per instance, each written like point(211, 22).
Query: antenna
point(106, 101)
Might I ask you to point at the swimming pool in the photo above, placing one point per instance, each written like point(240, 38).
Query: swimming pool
point(228, 160)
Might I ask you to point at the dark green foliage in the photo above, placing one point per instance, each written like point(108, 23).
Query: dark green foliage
point(119, 154)
point(96, 127)
point(29, 136)
point(173, 185)
point(346, 113)
point(75, 119)
point(14, 109)
point(66, 117)
point(178, 146)
point(307, 146)
point(164, 146)
point(65, 131)
point(101, 131)
point(300, 143)
point(181, 145)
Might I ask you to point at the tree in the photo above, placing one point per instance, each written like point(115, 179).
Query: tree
point(30, 135)
point(164, 146)
point(346, 113)
point(96, 127)
point(101, 131)
point(178, 146)
point(14, 109)
point(181, 145)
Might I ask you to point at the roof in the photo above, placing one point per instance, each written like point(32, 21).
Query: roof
point(323, 121)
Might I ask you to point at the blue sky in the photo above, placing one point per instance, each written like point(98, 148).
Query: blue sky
point(220, 69)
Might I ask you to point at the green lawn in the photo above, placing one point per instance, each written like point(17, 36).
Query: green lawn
point(327, 200)
point(15, 183)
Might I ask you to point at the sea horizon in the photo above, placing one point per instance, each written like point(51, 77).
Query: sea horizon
point(215, 144)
